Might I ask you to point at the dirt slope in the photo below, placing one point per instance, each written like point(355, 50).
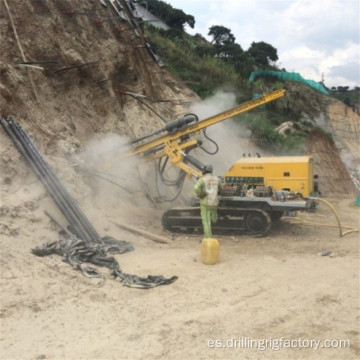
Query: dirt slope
point(334, 176)
point(265, 287)
point(337, 160)
point(79, 102)
point(63, 110)
point(345, 127)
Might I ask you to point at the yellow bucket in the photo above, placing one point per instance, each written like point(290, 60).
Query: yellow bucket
point(210, 251)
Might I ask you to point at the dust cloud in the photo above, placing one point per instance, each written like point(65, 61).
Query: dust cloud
point(352, 166)
point(104, 160)
point(103, 156)
point(213, 105)
point(232, 138)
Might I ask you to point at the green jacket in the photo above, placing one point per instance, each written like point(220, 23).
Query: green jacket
point(207, 189)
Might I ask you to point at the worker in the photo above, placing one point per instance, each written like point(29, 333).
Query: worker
point(207, 189)
point(316, 186)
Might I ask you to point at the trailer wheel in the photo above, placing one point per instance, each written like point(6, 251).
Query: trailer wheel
point(257, 222)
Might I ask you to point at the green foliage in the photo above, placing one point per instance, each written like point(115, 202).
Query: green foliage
point(262, 52)
point(191, 59)
point(231, 53)
point(174, 34)
point(347, 96)
point(175, 18)
point(308, 124)
point(263, 134)
point(221, 35)
point(295, 144)
point(278, 85)
point(224, 46)
point(205, 67)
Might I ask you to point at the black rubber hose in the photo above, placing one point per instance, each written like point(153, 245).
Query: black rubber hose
point(148, 106)
point(69, 206)
point(44, 180)
point(179, 182)
point(211, 140)
point(79, 216)
point(160, 171)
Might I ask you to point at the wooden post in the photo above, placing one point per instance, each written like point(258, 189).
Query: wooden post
point(146, 234)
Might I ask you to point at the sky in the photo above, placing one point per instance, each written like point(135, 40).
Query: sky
point(320, 39)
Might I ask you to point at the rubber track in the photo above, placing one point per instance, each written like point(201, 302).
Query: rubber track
point(187, 220)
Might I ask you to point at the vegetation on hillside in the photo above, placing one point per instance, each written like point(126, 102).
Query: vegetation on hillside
point(174, 18)
point(207, 66)
point(348, 96)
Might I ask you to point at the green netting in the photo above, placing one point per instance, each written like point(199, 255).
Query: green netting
point(283, 75)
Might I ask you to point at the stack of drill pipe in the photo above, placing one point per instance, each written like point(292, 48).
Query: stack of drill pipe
point(79, 224)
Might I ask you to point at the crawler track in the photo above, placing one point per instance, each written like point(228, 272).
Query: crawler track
point(231, 220)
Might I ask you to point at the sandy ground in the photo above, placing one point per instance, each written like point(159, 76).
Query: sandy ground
point(266, 288)
point(278, 286)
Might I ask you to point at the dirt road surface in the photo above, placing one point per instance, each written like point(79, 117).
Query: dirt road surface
point(262, 290)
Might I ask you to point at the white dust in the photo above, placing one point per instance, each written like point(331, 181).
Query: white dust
point(105, 161)
point(104, 155)
point(232, 137)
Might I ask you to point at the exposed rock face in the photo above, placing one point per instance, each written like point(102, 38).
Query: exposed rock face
point(334, 177)
point(337, 162)
point(345, 125)
point(63, 110)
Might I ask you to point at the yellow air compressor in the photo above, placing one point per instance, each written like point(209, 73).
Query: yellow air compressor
point(291, 173)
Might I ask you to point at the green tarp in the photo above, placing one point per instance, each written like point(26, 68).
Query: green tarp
point(283, 75)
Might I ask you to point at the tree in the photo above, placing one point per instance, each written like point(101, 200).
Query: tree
point(221, 35)
point(231, 53)
point(343, 89)
point(175, 18)
point(224, 45)
point(178, 19)
point(262, 53)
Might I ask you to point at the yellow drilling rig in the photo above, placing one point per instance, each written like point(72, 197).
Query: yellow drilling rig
point(256, 191)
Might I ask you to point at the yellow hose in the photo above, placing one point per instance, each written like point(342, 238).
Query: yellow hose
point(341, 227)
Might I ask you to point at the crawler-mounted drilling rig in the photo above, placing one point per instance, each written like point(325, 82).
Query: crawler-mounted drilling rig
point(246, 204)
